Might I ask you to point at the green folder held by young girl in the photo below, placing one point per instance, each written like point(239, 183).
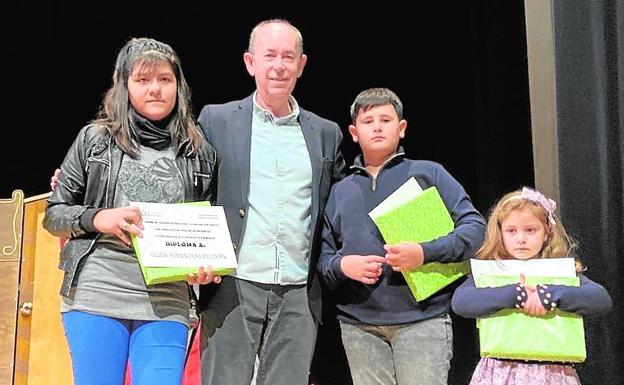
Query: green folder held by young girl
point(511, 334)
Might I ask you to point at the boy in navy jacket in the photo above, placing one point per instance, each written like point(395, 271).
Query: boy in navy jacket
point(388, 336)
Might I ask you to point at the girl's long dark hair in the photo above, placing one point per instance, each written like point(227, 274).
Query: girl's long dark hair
point(115, 114)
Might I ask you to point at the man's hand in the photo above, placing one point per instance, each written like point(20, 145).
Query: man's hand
point(54, 179)
point(404, 256)
point(362, 268)
point(120, 221)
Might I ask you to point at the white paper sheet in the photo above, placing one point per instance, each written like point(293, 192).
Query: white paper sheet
point(180, 235)
point(406, 192)
point(543, 267)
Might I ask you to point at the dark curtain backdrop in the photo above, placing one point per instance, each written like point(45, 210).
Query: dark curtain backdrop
point(459, 67)
point(460, 71)
point(589, 48)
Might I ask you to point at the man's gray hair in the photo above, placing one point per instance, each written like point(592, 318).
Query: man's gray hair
point(254, 31)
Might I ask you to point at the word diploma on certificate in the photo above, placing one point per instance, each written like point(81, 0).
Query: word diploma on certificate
point(178, 238)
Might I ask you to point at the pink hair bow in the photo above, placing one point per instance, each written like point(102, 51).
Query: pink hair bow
point(548, 204)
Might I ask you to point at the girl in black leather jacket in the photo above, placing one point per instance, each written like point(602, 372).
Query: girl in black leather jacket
point(143, 146)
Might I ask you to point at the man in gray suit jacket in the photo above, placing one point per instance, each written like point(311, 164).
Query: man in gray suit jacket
point(276, 163)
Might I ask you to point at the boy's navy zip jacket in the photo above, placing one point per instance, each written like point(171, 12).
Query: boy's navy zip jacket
point(349, 230)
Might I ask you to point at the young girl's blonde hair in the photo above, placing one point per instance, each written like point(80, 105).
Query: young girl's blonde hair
point(558, 244)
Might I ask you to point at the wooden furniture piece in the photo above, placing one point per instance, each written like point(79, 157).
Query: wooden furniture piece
point(33, 349)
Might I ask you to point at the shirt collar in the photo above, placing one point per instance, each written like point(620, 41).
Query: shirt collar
point(358, 163)
point(267, 116)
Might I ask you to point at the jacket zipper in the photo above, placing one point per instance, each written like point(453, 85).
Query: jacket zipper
point(374, 179)
point(96, 160)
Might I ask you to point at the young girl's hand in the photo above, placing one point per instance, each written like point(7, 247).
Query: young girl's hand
point(532, 305)
point(404, 256)
point(362, 268)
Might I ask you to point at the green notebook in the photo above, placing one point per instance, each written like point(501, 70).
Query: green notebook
point(422, 218)
point(511, 334)
point(154, 275)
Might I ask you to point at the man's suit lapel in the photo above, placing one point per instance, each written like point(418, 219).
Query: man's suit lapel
point(313, 141)
point(241, 142)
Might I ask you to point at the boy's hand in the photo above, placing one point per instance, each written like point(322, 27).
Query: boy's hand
point(203, 276)
point(404, 256)
point(363, 268)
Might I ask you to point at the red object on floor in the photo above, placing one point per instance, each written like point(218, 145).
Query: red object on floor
point(128, 375)
point(192, 373)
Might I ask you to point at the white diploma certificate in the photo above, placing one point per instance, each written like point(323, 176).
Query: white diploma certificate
point(536, 267)
point(184, 235)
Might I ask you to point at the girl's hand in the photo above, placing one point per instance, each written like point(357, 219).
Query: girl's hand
point(203, 276)
point(120, 221)
point(404, 256)
point(532, 305)
point(362, 268)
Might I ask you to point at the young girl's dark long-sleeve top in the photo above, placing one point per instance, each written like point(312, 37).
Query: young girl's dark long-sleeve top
point(349, 230)
point(590, 298)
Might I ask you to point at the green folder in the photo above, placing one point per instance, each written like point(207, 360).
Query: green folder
point(511, 334)
point(154, 275)
point(422, 219)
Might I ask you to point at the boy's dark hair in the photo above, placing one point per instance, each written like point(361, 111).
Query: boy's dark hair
point(374, 97)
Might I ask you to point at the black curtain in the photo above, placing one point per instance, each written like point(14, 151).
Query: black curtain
point(589, 47)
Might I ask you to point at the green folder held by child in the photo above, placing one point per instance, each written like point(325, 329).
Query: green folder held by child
point(511, 334)
point(157, 274)
point(419, 216)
